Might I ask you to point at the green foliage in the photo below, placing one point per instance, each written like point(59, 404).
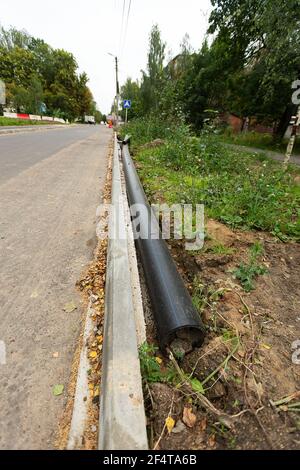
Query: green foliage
point(256, 140)
point(23, 122)
point(263, 34)
point(246, 273)
point(203, 297)
point(131, 91)
point(152, 79)
point(247, 68)
point(151, 368)
point(34, 73)
point(241, 189)
point(220, 249)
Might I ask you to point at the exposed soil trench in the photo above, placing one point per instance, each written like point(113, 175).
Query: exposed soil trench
point(248, 349)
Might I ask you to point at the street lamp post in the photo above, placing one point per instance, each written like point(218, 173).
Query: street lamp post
point(117, 86)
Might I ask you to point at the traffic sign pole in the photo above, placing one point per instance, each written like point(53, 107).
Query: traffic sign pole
point(296, 124)
point(126, 106)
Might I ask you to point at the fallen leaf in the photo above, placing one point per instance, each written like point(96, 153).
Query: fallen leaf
point(188, 417)
point(93, 354)
point(158, 360)
point(284, 408)
point(266, 346)
point(197, 386)
point(58, 390)
point(203, 425)
point(170, 423)
point(260, 390)
point(211, 441)
point(70, 307)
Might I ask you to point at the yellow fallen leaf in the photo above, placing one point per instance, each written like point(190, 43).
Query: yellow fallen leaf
point(58, 390)
point(70, 307)
point(158, 360)
point(170, 423)
point(93, 354)
point(266, 346)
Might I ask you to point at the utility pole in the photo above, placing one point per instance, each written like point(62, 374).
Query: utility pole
point(117, 88)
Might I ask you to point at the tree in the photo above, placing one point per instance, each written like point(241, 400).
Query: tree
point(131, 91)
point(152, 79)
point(263, 37)
point(34, 72)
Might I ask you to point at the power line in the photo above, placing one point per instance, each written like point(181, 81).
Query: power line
point(126, 27)
point(122, 24)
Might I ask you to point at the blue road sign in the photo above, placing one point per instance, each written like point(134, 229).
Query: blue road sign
point(127, 104)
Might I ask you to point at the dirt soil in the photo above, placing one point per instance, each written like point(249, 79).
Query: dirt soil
point(249, 378)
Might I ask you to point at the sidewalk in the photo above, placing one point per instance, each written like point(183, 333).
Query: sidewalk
point(269, 153)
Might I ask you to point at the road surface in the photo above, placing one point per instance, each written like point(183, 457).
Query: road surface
point(50, 187)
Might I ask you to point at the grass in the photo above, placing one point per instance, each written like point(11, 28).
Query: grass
point(257, 140)
point(242, 190)
point(220, 249)
point(22, 122)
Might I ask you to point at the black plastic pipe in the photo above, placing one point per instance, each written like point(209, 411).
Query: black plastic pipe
point(174, 313)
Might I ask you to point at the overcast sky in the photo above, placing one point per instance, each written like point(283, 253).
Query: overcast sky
point(92, 28)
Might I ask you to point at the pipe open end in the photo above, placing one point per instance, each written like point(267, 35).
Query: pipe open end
point(185, 340)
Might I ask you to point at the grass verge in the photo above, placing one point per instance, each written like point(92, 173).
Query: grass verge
point(240, 189)
point(23, 122)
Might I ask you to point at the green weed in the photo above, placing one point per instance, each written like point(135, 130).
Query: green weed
point(240, 189)
point(247, 273)
point(220, 249)
point(151, 368)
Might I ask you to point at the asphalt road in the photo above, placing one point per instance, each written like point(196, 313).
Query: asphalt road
point(50, 187)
